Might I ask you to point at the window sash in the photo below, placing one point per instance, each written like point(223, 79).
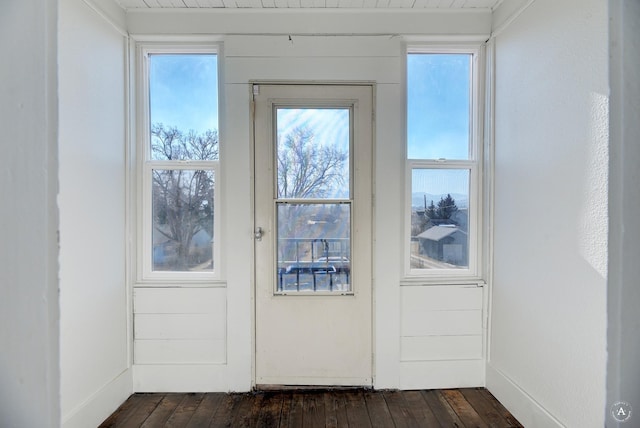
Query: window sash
point(471, 271)
point(473, 164)
point(146, 166)
point(146, 262)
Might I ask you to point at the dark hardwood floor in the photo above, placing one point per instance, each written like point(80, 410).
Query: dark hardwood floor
point(470, 407)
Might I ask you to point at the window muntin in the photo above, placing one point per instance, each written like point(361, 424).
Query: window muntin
point(442, 163)
point(180, 164)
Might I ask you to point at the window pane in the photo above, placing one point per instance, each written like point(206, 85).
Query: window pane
point(438, 106)
point(313, 153)
point(183, 220)
point(314, 247)
point(183, 106)
point(440, 218)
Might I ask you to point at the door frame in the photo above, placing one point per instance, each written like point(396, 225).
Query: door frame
point(252, 177)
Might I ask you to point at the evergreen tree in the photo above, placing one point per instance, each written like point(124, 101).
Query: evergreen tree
point(431, 211)
point(446, 207)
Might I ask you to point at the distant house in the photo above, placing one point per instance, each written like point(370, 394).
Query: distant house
point(446, 243)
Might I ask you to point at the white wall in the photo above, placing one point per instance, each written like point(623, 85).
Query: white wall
point(29, 374)
point(623, 375)
point(548, 309)
point(93, 292)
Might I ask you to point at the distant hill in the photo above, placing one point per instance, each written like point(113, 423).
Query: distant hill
point(417, 200)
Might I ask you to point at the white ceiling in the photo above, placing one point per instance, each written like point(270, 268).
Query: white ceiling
point(309, 4)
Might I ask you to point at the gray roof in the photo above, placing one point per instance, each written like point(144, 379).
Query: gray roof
point(436, 233)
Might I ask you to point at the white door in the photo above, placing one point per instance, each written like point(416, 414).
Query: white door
point(313, 198)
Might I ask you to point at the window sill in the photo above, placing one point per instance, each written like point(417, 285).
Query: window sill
point(170, 283)
point(442, 281)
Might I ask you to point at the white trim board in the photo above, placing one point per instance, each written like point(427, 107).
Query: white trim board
point(101, 404)
point(111, 13)
point(310, 22)
point(523, 407)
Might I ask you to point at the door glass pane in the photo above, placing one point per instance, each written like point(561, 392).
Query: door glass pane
point(314, 247)
point(182, 233)
point(313, 153)
point(440, 218)
point(438, 106)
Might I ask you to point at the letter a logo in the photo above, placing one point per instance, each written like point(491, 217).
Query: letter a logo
point(621, 411)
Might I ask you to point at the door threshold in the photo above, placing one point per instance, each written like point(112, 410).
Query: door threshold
point(269, 387)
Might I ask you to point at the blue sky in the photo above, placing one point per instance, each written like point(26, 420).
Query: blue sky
point(184, 91)
point(438, 103)
point(329, 125)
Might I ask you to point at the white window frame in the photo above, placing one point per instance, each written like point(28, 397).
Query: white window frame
point(145, 274)
point(472, 274)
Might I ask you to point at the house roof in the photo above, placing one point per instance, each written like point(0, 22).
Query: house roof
point(437, 233)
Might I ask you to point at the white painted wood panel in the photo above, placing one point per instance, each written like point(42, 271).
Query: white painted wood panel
point(440, 298)
point(179, 326)
point(180, 351)
point(432, 348)
point(181, 378)
point(312, 46)
point(388, 228)
point(242, 70)
point(441, 323)
point(442, 374)
point(237, 211)
point(179, 300)
point(470, 22)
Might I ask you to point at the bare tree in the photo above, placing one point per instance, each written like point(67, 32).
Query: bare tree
point(307, 169)
point(182, 198)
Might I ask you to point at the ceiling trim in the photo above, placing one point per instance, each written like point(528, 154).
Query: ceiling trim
point(408, 22)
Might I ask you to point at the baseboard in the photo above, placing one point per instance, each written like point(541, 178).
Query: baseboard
point(180, 378)
point(521, 405)
point(101, 404)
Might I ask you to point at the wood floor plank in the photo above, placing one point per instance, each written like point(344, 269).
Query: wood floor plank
point(313, 405)
point(402, 418)
point(206, 409)
point(335, 409)
point(271, 411)
point(463, 409)
point(379, 413)
point(296, 412)
point(122, 412)
point(350, 408)
point(420, 409)
point(513, 422)
point(485, 409)
point(184, 412)
point(242, 413)
point(147, 405)
point(441, 409)
point(224, 415)
point(163, 411)
point(357, 414)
